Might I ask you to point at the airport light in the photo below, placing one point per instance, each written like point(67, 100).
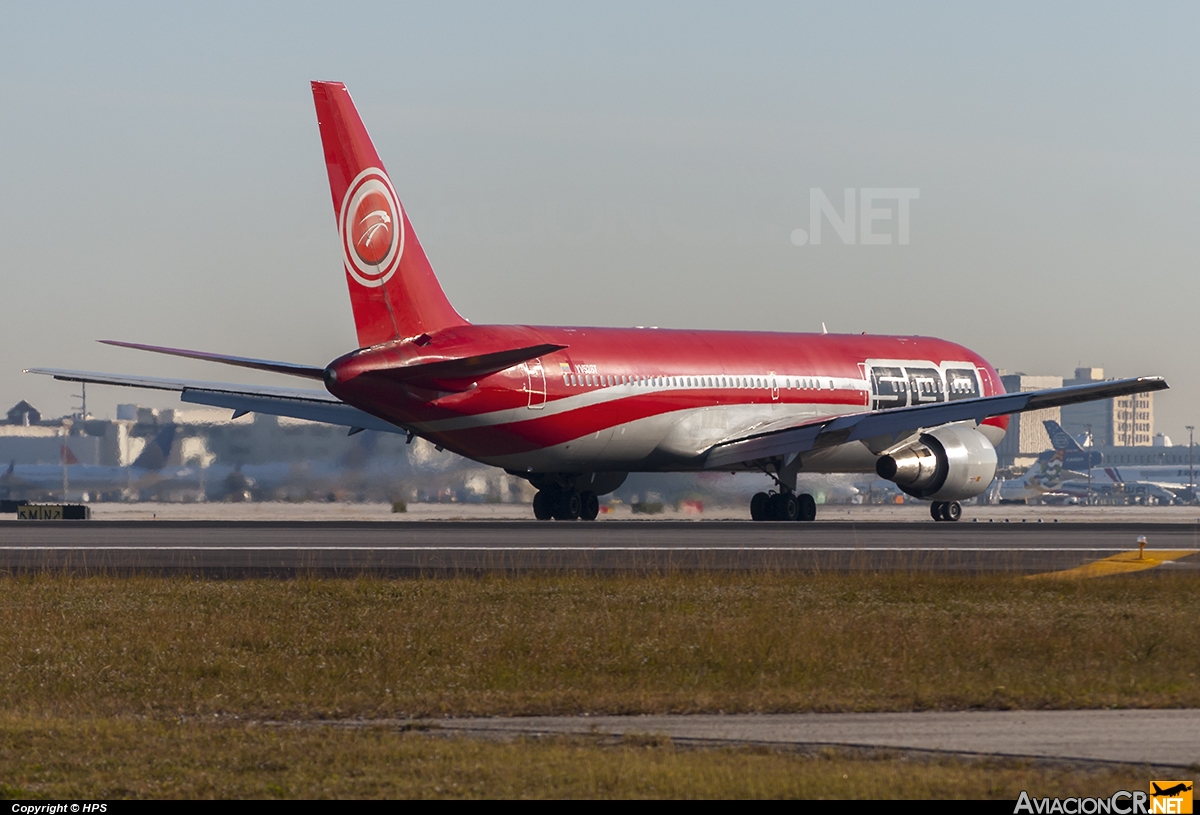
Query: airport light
point(1191, 468)
point(1089, 464)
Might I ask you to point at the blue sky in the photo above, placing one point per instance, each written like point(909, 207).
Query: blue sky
point(620, 164)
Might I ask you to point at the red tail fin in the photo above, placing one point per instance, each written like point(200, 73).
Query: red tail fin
point(393, 290)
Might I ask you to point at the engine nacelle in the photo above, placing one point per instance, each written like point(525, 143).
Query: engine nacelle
point(949, 463)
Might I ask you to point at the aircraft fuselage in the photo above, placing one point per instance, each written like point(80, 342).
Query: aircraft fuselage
point(645, 399)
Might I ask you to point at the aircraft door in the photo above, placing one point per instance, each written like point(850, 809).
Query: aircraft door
point(535, 383)
point(774, 380)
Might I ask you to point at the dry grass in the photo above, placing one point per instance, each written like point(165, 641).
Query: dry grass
point(127, 758)
point(160, 647)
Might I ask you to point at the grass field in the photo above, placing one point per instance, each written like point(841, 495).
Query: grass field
point(122, 758)
point(143, 686)
point(313, 649)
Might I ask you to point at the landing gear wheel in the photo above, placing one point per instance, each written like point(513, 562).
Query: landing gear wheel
point(806, 507)
point(936, 510)
point(951, 511)
point(543, 506)
point(567, 507)
point(589, 506)
point(759, 505)
point(787, 508)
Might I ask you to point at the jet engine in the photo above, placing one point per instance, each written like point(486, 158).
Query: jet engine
point(949, 463)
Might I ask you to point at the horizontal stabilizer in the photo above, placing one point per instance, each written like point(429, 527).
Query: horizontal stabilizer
point(289, 368)
point(458, 374)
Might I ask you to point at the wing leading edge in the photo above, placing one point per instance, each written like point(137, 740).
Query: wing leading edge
point(900, 422)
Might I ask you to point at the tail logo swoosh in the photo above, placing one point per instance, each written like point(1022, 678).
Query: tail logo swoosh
point(372, 228)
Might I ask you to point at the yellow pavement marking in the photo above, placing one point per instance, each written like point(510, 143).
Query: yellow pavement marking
point(1122, 563)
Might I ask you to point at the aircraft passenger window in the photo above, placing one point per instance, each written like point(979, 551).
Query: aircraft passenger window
point(589, 380)
point(566, 380)
point(604, 380)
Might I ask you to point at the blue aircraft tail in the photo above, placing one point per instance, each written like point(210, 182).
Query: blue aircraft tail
point(154, 456)
point(1076, 458)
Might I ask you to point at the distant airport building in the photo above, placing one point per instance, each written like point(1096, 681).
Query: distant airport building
point(1149, 455)
point(23, 413)
point(1027, 436)
point(1124, 422)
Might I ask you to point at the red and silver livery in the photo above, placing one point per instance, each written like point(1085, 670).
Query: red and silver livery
point(575, 409)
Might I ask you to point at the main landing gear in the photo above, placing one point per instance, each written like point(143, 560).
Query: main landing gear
point(783, 506)
point(945, 510)
point(565, 505)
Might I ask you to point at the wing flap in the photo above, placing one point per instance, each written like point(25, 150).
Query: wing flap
point(892, 424)
point(338, 413)
point(295, 403)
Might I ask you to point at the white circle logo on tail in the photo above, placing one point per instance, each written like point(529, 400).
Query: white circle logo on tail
point(371, 224)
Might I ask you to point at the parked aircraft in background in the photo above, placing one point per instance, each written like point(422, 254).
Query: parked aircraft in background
point(575, 409)
point(35, 481)
point(1051, 471)
point(1062, 474)
point(1163, 484)
point(1076, 458)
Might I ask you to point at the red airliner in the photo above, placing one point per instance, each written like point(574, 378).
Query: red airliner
point(574, 410)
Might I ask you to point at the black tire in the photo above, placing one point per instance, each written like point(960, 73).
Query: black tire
point(543, 506)
point(589, 506)
point(806, 508)
point(936, 509)
point(567, 507)
point(788, 507)
point(952, 511)
point(759, 506)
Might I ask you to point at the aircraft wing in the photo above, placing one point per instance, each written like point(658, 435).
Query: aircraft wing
point(296, 403)
point(898, 423)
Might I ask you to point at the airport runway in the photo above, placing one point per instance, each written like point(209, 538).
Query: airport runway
point(225, 548)
point(1160, 738)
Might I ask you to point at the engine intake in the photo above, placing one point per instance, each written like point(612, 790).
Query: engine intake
point(949, 463)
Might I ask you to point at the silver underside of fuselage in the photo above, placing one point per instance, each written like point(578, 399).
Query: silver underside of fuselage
point(678, 442)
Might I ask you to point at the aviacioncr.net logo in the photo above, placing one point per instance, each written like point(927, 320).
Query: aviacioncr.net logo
point(371, 225)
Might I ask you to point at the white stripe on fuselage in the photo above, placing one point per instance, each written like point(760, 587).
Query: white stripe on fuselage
point(598, 395)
